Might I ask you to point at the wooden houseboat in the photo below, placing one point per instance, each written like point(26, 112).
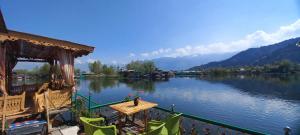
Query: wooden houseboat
point(27, 100)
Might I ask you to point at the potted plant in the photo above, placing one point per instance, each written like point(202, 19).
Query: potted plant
point(136, 100)
point(128, 98)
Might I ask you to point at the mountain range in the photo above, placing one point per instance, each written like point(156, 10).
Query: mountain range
point(183, 63)
point(285, 50)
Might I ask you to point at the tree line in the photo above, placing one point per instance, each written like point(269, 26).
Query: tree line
point(96, 67)
point(42, 71)
point(143, 67)
point(279, 67)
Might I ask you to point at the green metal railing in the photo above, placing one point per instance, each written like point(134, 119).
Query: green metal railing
point(243, 130)
point(193, 119)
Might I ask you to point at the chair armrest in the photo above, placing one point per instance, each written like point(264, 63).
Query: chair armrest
point(92, 119)
point(154, 124)
point(110, 130)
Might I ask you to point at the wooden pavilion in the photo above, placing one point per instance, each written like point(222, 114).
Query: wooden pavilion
point(18, 46)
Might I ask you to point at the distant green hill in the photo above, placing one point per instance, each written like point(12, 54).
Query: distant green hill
point(285, 50)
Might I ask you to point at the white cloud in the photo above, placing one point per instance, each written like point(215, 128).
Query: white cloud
point(114, 62)
point(145, 54)
point(90, 60)
point(157, 52)
point(255, 39)
point(78, 61)
point(131, 54)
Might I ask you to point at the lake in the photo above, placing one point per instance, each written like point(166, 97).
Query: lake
point(266, 104)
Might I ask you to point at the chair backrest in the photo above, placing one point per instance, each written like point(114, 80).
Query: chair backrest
point(90, 129)
point(59, 98)
point(157, 130)
point(43, 88)
point(13, 104)
point(56, 99)
point(173, 123)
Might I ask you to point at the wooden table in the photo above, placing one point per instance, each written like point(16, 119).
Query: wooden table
point(128, 108)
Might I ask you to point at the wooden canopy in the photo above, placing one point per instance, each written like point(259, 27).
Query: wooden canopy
point(39, 47)
point(15, 46)
point(32, 46)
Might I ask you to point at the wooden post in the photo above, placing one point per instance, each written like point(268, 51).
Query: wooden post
point(47, 111)
point(3, 115)
point(51, 72)
point(146, 120)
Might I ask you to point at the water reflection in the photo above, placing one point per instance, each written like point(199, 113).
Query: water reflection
point(148, 86)
point(97, 84)
point(262, 103)
point(284, 87)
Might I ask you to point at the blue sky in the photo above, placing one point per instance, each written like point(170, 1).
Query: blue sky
point(126, 30)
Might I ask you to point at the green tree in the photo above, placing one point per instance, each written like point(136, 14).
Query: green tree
point(77, 71)
point(44, 70)
point(285, 66)
point(95, 67)
point(108, 70)
point(143, 67)
point(21, 71)
point(149, 66)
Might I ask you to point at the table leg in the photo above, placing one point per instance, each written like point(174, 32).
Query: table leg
point(145, 120)
point(133, 118)
point(120, 123)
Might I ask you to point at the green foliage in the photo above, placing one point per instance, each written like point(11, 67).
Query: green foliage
point(77, 71)
point(81, 110)
point(280, 67)
point(143, 67)
point(219, 71)
point(285, 66)
point(108, 70)
point(44, 70)
point(21, 71)
point(95, 67)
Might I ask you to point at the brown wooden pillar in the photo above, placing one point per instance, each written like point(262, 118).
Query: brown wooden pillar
point(51, 72)
point(3, 87)
point(11, 63)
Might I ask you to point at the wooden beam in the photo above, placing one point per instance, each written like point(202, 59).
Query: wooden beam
point(32, 60)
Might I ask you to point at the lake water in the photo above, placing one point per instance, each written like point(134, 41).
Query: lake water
point(266, 104)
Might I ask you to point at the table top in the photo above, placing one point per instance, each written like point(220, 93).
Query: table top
point(128, 108)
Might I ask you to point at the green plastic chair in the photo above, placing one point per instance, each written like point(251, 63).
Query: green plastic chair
point(154, 129)
point(172, 124)
point(91, 129)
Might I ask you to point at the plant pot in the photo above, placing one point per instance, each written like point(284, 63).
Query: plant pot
point(136, 101)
